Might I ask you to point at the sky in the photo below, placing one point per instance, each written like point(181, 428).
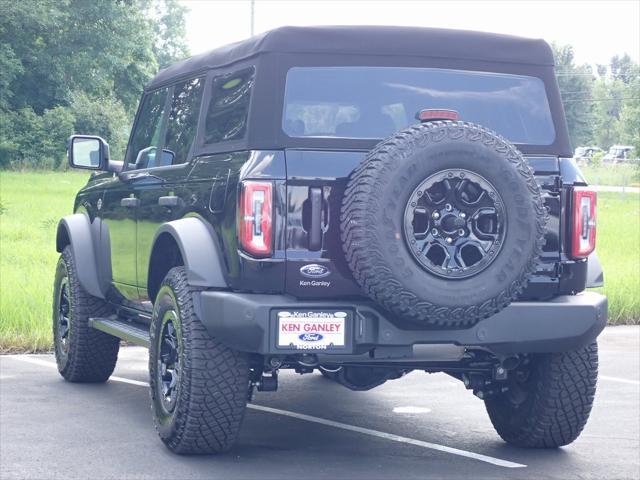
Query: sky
point(597, 29)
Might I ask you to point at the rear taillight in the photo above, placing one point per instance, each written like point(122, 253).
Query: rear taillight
point(255, 224)
point(583, 226)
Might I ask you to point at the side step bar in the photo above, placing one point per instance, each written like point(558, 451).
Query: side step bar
point(132, 333)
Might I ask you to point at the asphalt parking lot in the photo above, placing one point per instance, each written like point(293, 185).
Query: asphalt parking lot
point(421, 426)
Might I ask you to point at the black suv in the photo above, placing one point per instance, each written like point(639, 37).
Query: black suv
point(362, 201)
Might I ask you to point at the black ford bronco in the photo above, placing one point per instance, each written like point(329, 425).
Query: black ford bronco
point(362, 201)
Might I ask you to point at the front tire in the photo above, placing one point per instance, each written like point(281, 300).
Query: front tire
point(548, 401)
point(199, 387)
point(83, 354)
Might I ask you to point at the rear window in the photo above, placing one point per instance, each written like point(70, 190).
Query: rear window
point(374, 102)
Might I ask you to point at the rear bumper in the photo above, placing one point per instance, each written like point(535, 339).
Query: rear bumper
point(248, 322)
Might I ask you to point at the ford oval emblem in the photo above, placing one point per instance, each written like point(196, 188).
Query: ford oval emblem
point(310, 337)
point(313, 270)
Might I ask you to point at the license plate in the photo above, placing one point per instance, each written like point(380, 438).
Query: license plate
point(314, 330)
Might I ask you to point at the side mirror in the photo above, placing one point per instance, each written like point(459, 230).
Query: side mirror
point(147, 158)
point(88, 152)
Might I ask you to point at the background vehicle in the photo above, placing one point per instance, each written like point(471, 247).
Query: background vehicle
point(583, 155)
point(364, 201)
point(619, 154)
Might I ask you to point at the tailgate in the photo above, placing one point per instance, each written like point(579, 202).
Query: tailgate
point(316, 265)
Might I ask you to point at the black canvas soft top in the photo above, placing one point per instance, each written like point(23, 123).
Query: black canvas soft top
point(369, 40)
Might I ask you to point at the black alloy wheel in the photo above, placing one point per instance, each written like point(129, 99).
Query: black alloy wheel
point(169, 361)
point(63, 324)
point(455, 223)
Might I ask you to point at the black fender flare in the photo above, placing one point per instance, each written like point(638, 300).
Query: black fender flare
point(198, 249)
point(79, 232)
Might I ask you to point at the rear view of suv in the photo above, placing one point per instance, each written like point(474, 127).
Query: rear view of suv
point(362, 201)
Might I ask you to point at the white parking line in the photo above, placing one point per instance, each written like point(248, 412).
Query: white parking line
point(620, 380)
point(390, 436)
point(330, 423)
point(37, 361)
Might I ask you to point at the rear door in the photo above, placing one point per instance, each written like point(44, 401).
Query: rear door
point(161, 187)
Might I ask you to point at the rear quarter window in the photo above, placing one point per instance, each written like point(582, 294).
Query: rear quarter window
point(228, 108)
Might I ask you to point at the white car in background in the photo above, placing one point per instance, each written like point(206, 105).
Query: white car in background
point(619, 154)
point(583, 155)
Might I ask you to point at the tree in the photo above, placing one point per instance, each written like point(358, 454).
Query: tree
point(106, 117)
point(576, 84)
point(607, 104)
point(630, 111)
point(170, 31)
point(622, 68)
point(86, 61)
point(616, 104)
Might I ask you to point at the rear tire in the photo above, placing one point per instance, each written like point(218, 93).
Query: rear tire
point(83, 354)
point(199, 387)
point(548, 405)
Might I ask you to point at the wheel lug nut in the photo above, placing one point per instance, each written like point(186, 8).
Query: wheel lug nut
point(434, 232)
point(448, 207)
point(449, 240)
point(463, 215)
point(436, 215)
point(461, 232)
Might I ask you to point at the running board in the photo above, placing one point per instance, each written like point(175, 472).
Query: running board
point(132, 333)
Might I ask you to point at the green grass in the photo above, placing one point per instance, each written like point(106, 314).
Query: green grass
point(615, 175)
point(618, 247)
point(32, 203)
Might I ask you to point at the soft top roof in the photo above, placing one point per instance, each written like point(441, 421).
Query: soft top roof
point(369, 40)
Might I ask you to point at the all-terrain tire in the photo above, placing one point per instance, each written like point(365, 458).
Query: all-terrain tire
point(213, 383)
point(87, 354)
point(559, 395)
point(373, 223)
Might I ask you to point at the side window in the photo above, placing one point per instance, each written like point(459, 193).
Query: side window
point(229, 107)
point(182, 123)
point(146, 134)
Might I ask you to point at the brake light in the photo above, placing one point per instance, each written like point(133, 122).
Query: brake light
point(255, 223)
point(432, 114)
point(583, 232)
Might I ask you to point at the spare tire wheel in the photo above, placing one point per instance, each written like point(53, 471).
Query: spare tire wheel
point(443, 223)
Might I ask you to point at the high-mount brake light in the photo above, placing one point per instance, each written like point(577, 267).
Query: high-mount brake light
point(432, 115)
point(583, 222)
point(255, 219)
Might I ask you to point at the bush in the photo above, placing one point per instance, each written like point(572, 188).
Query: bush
point(596, 159)
point(29, 140)
point(105, 117)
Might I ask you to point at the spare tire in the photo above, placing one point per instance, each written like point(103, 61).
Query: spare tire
point(443, 223)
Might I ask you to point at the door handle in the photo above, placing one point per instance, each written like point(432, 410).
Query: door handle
point(315, 232)
point(130, 202)
point(168, 201)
